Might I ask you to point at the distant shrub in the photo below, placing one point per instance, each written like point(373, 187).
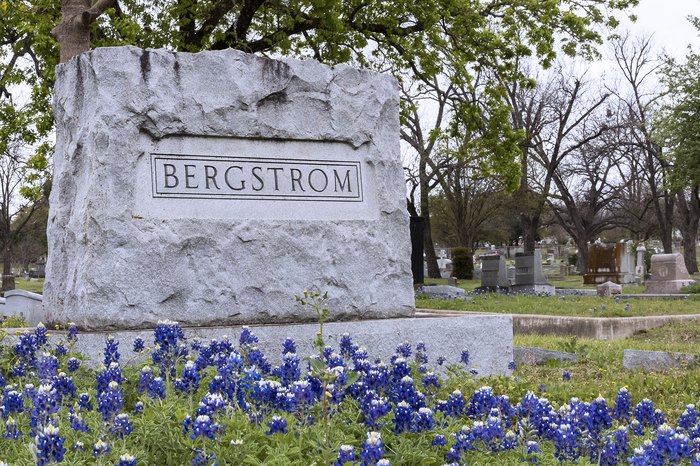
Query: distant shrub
point(693, 288)
point(12, 321)
point(573, 259)
point(462, 264)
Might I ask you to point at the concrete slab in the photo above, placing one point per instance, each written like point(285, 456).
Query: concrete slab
point(489, 339)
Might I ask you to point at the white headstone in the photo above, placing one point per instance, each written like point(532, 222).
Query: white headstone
point(211, 188)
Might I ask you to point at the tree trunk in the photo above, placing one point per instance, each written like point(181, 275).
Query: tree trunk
point(73, 32)
point(689, 215)
point(8, 280)
point(430, 256)
point(582, 260)
point(529, 225)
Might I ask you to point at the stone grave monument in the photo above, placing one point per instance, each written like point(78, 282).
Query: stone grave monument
point(528, 273)
point(211, 188)
point(668, 274)
point(493, 272)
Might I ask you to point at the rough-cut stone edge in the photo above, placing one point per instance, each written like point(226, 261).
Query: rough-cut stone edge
point(93, 74)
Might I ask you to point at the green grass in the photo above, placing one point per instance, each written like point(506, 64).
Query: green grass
point(35, 287)
point(599, 370)
point(575, 306)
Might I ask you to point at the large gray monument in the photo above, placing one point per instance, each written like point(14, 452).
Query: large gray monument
point(209, 188)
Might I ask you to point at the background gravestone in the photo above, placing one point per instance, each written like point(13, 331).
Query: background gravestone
point(211, 188)
point(668, 274)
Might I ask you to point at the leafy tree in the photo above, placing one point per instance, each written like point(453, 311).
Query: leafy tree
point(679, 134)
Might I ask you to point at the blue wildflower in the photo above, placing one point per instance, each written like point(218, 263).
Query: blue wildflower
point(100, 448)
point(372, 449)
point(277, 425)
point(121, 426)
point(111, 351)
point(346, 454)
point(138, 345)
point(73, 364)
point(49, 446)
point(623, 406)
point(566, 375)
point(110, 402)
point(11, 430)
point(127, 460)
point(72, 333)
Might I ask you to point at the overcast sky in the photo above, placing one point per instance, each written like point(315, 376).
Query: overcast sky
point(666, 20)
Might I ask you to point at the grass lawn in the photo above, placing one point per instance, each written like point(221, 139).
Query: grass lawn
point(580, 306)
point(599, 370)
point(35, 287)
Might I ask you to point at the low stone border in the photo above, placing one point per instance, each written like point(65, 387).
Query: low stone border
point(489, 339)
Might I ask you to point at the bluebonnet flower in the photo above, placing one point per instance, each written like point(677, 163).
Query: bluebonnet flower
point(211, 403)
point(110, 402)
point(257, 358)
point(25, 349)
point(422, 420)
point(440, 360)
point(402, 417)
point(113, 373)
point(72, 333)
point(439, 441)
point(512, 366)
point(65, 388)
point(203, 426)
point(127, 460)
point(431, 380)
point(47, 367)
point(157, 388)
point(138, 407)
point(45, 406)
point(455, 404)
point(138, 345)
point(12, 402)
point(405, 390)
point(100, 448)
point(510, 441)
point(383, 462)
point(78, 423)
point(614, 449)
point(566, 375)
point(481, 402)
point(473, 372)
point(542, 387)
point(623, 405)
point(637, 427)
point(121, 426)
point(145, 379)
point(277, 425)
point(372, 449)
point(41, 335)
point(78, 446)
point(289, 346)
point(73, 364)
point(627, 306)
point(168, 336)
point(247, 337)
point(348, 349)
point(464, 357)
point(644, 412)
point(289, 371)
point(111, 351)
point(189, 383)
point(3, 380)
point(400, 369)
point(203, 459)
point(373, 408)
point(404, 349)
point(60, 349)
point(346, 454)
point(49, 446)
point(599, 417)
point(11, 429)
point(84, 403)
point(566, 443)
point(689, 417)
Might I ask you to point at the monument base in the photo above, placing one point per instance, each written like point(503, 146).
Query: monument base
point(542, 288)
point(488, 338)
point(666, 286)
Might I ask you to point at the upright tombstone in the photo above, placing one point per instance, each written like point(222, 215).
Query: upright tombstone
point(211, 188)
point(528, 273)
point(668, 274)
point(493, 272)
